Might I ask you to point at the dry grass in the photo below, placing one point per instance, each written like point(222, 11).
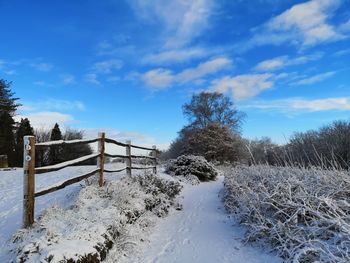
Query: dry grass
point(302, 213)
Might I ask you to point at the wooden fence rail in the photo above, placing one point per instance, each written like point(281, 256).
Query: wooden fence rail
point(29, 169)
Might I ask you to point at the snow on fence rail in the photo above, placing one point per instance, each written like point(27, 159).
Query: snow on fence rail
point(30, 170)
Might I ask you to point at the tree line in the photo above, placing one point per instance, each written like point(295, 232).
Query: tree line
point(12, 133)
point(214, 132)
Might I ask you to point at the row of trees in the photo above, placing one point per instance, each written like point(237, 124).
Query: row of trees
point(327, 147)
point(214, 132)
point(12, 133)
point(60, 153)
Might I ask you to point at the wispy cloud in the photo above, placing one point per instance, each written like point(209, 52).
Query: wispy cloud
point(92, 78)
point(52, 105)
point(68, 79)
point(302, 104)
point(271, 64)
point(158, 78)
point(315, 78)
point(163, 78)
point(42, 83)
point(107, 66)
point(41, 66)
point(183, 20)
point(244, 86)
point(345, 27)
point(4, 67)
point(342, 52)
point(284, 61)
point(175, 56)
point(306, 24)
point(203, 69)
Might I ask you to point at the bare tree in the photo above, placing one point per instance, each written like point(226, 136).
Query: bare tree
point(212, 107)
point(213, 131)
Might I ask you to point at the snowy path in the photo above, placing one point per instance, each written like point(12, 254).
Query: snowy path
point(202, 232)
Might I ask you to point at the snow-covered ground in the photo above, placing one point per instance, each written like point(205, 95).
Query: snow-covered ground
point(11, 196)
point(201, 232)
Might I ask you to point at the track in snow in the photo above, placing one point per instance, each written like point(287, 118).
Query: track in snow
point(201, 232)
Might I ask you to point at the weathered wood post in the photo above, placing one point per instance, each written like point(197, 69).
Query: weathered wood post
point(101, 158)
point(154, 155)
point(128, 158)
point(28, 180)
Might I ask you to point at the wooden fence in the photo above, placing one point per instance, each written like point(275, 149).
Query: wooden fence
point(30, 170)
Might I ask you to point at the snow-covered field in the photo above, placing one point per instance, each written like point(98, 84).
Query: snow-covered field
point(201, 232)
point(11, 196)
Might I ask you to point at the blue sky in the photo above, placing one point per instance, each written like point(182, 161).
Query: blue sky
point(127, 67)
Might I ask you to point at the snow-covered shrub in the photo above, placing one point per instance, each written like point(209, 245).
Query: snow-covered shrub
point(188, 179)
point(101, 218)
point(186, 165)
point(303, 213)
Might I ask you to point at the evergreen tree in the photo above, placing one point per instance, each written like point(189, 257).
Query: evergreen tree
point(55, 153)
point(7, 101)
point(23, 129)
point(7, 140)
point(8, 106)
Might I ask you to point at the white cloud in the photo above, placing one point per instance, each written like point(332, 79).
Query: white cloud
point(158, 78)
point(68, 79)
point(52, 105)
point(175, 56)
point(107, 66)
point(4, 68)
point(203, 69)
point(10, 72)
point(163, 78)
point(345, 27)
point(243, 86)
point(183, 20)
point(306, 24)
point(41, 66)
point(92, 78)
point(315, 78)
point(46, 119)
point(301, 104)
point(342, 52)
point(113, 79)
point(283, 61)
point(192, 22)
point(42, 83)
point(271, 64)
point(2, 63)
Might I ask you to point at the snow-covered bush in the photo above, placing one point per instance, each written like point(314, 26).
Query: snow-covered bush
point(101, 218)
point(303, 213)
point(186, 165)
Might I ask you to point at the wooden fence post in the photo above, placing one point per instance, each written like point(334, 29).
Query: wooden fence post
point(154, 154)
point(28, 180)
point(101, 158)
point(128, 159)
